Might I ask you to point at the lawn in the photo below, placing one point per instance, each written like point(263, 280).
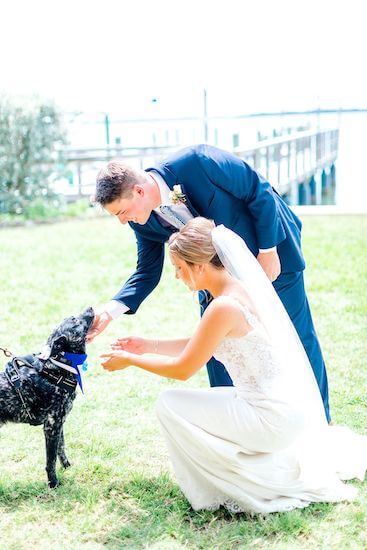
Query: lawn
point(120, 492)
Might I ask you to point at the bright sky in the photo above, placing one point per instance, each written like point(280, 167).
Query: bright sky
point(115, 56)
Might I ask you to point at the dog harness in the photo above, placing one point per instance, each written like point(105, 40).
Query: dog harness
point(63, 380)
point(13, 376)
point(72, 363)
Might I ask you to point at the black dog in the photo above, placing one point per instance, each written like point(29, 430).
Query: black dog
point(41, 389)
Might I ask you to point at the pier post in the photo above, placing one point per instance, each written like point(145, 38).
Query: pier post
point(294, 193)
point(318, 190)
point(312, 187)
point(301, 194)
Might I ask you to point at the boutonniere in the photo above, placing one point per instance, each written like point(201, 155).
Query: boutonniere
point(176, 196)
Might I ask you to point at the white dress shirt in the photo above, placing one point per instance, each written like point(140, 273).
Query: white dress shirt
point(182, 210)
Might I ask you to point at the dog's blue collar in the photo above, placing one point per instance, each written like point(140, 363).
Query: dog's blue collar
point(79, 363)
point(73, 362)
point(75, 358)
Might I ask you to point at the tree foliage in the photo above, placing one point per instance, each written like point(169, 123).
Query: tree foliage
point(31, 143)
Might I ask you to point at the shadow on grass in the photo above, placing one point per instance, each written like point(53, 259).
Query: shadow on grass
point(154, 510)
point(13, 495)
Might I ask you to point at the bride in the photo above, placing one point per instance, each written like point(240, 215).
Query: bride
point(263, 445)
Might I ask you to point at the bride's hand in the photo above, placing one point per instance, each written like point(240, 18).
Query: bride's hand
point(116, 360)
point(132, 344)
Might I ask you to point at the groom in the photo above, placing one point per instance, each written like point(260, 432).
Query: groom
point(205, 181)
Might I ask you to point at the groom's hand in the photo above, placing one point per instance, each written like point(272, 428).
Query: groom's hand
point(101, 320)
point(270, 263)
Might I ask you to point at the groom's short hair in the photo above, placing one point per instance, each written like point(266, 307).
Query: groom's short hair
point(114, 181)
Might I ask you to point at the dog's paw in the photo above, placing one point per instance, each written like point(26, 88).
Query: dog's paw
point(65, 464)
point(53, 483)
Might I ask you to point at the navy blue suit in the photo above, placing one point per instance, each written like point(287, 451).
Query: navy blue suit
point(222, 187)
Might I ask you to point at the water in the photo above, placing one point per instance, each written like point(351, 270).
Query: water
point(351, 190)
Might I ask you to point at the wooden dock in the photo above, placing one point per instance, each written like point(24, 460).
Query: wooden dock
point(299, 166)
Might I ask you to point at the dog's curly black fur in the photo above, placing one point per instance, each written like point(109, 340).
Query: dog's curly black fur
point(46, 403)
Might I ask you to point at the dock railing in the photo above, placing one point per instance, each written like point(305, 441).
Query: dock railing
point(294, 164)
point(293, 160)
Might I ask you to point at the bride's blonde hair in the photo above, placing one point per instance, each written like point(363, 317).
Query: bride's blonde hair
point(193, 243)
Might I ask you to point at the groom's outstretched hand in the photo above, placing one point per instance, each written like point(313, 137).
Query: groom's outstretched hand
point(270, 263)
point(101, 320)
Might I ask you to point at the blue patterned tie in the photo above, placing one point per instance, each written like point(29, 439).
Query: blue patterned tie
point(174, 216)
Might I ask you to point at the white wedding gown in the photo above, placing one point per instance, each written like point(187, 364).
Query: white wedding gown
point(245, 447)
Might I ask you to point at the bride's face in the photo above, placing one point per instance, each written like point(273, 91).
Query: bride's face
point(187, 273)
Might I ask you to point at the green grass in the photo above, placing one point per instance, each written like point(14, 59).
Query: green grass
point(40, 210)
point(120, 492)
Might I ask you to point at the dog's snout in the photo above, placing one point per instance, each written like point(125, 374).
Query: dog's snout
point(88, 316)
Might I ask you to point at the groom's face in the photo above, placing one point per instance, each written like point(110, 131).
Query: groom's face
point(134, 208)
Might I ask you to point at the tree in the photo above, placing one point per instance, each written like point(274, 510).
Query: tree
point(31, 144)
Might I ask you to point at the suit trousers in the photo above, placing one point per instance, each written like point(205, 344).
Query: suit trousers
point(291, 290)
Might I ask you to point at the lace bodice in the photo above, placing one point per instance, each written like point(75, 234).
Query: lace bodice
point(251, 360)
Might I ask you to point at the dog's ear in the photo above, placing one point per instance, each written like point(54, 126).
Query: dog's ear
point(58, 344)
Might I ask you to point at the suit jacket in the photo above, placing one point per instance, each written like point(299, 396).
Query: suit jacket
point(222, 187)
